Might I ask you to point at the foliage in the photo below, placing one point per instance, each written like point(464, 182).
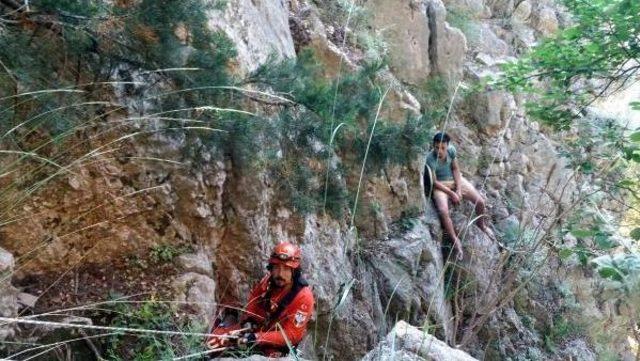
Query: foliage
point(596, 147)
point(166, 252)
point(435, 95)
point(593, 233)
point(74, 57)
point(165, 60)
point(600, 47)
point(150, 315)
point(560, 329)
point(344, 107)
point(618, 267)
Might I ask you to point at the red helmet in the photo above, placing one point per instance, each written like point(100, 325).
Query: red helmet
point(286, 253)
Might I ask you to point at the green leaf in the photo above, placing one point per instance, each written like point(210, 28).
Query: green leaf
point(610, 273)
point(565, 253)
point(635, 137)
point(626, 183)
point(582, 233)
point(635, 234)
point(604, 241)
point(587, 167)
point(583, 257)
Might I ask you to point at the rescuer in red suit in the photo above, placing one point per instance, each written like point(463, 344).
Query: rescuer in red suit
point(277, 312)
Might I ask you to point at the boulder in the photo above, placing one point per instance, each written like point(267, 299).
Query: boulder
point(198, 293)
point(577, 349)
point(406, 342)
point(475, 8)
point(258, 29)
point(406, 29)
point(545, 21)
point(407, 273)
point(488, 42)
point(500, 8)
point(420, 41)
point(8, 293)
point(449, 45)
point(522, 12)
point(492, 111)
point(196, 262)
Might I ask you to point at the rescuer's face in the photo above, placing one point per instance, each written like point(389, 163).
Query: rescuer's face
point(281, 275)
point(441, 148)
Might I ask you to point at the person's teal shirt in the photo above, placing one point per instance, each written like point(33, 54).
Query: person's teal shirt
point(442, 168)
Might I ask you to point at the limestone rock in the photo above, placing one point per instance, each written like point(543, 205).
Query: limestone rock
point(406, 342)
point(578, 350)
point(490, 43)
point(450, 45)
point(492, 111)
point(522, 13)
point(420, 41)
point(500, 8)
point(27, 300)
point(476, 8)
point(524, 36)
point(258, 29)
point(196, 262)
point(406, 29)
point(6, 263)
point(403, 271)
point(331, 56)
point(8, 293)
point(198, 292)
point(546, 21)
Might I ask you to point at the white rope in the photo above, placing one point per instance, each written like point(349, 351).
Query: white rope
point(199, 354)
point(9, 320)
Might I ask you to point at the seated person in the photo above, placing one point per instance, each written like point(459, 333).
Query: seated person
point(449, 184)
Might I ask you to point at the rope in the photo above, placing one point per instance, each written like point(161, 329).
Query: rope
point(10, 320)
point(198, 354)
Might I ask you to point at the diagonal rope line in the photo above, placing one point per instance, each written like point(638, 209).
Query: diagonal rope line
point(23, 321)
point(52, 346)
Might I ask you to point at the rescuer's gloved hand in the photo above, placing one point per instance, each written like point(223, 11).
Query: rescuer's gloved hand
point(246, 340)
point(217, 342)
point(249, 325)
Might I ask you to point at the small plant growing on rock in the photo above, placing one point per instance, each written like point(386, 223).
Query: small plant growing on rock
point(166, 252)
point(150, 315)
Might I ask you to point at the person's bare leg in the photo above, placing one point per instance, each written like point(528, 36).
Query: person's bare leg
point(471, 193)
point(442, 205)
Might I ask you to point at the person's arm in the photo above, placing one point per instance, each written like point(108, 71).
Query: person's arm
point(292, 323)
point(456, 177)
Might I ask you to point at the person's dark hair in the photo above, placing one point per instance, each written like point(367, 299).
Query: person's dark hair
point(441, 137)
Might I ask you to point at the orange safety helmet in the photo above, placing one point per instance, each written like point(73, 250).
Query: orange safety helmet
point(286, 253)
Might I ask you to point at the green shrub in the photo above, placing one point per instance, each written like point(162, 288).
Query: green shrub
point(150, 315)
point(166, 252)
point(560, 330)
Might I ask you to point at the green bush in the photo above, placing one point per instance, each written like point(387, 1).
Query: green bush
point(560, 330)
point(150, 315)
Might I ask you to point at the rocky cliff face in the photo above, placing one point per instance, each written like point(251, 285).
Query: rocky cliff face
point(391, 265)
